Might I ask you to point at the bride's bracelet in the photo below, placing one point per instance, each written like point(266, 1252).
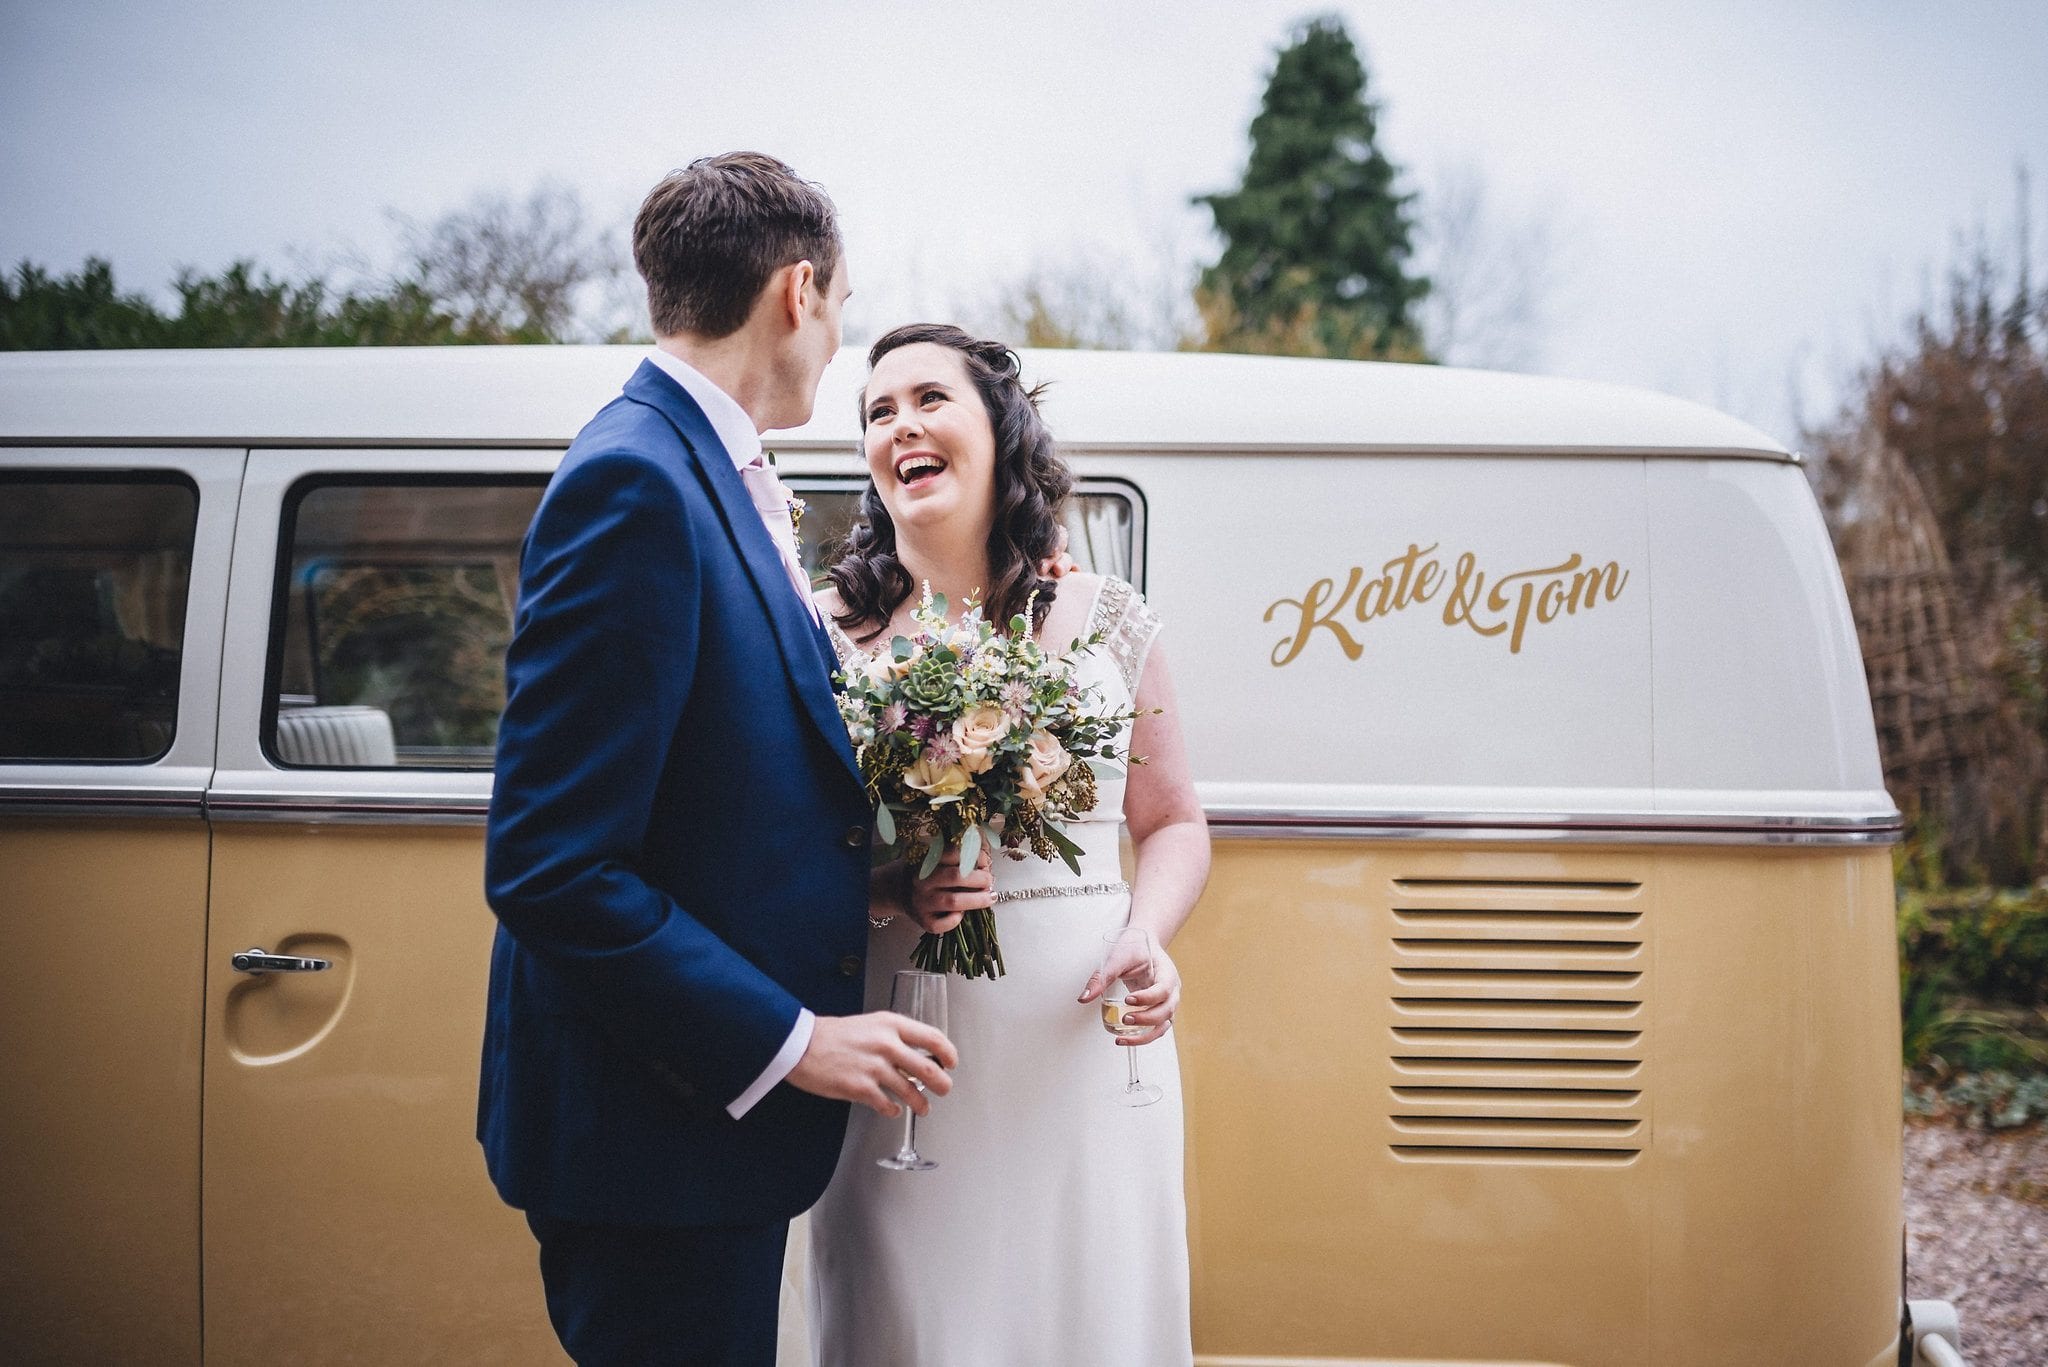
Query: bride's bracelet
point(902, 897)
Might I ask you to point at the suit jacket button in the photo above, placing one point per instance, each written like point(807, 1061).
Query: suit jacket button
point(849, 967)
point(856, 836)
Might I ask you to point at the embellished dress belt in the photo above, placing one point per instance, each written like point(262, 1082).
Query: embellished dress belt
point(1063, 890)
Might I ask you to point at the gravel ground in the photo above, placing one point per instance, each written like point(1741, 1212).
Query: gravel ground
point(1977, 1221)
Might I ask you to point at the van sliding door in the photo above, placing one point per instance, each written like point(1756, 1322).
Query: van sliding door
point(348, 1217)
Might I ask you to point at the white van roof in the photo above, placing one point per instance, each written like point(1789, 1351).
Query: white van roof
point(1105, 401)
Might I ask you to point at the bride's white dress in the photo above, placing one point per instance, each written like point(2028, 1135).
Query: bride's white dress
point(1054, 1229)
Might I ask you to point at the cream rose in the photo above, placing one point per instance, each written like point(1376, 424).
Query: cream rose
point(1046, 760)
point(980, 728)
point(939, 780)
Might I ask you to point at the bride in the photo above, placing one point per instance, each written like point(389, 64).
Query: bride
point(1054, 1228)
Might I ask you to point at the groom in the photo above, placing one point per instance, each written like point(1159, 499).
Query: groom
point(678, 841)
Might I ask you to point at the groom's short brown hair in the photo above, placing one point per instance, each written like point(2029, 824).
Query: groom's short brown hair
point(707, 238)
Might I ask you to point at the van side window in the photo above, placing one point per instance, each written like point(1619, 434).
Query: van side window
point(1102, 520)
point(94, 571)
point(394, 608)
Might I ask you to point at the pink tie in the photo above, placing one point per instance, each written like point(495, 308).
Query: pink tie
point(771, 500)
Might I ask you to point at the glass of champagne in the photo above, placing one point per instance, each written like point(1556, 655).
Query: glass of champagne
point(922, 997)
point(1128, 957)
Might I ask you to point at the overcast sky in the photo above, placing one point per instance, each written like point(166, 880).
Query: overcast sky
point(1738, 192)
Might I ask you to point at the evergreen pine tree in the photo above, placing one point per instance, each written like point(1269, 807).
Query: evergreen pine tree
point(1316, 239)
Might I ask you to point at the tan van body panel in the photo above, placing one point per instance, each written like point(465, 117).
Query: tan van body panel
point(1665, 1154)
point(346, 1091)
point(101, 926)
point(1595, 1073)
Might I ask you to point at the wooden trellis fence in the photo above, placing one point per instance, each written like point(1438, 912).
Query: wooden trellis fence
point(1932, 702)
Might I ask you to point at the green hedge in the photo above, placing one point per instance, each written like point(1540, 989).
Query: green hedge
point(1989, 945)
point(1973, 973)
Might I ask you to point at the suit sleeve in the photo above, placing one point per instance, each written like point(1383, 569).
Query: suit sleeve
point(597, 676)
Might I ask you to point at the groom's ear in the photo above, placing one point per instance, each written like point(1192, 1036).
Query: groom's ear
point(799, 284)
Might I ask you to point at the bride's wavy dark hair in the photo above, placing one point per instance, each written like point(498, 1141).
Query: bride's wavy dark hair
point(1032, 484)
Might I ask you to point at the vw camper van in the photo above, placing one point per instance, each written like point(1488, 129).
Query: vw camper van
point(1542, 1006)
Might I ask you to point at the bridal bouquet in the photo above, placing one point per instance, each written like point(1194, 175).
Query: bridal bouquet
point(972, 738)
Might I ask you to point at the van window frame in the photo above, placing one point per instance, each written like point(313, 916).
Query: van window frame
point(295, 496)
point(1116, 486)
point(175, 783)
point(159, 476)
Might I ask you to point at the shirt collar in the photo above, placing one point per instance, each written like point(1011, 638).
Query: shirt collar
point(727, 418)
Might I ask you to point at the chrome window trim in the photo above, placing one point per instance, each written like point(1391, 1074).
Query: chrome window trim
point(181, 794)
point(1631, 828)
point(366, 808)
point(383, 803)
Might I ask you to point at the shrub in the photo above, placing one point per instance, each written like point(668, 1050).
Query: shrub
point(1986, 945)
point(1981, 1101)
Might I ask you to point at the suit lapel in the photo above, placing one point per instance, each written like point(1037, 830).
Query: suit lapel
point(827, 654)
point(795, 632)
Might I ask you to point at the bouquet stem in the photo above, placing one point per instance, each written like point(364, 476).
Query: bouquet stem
point(969, 949)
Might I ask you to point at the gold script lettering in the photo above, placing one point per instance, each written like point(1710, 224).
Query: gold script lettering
point(1590, 582)
point(1314, 613)
point(1465, 586)
point(1507, 604)
point(1391, 594)
point(1497, 600)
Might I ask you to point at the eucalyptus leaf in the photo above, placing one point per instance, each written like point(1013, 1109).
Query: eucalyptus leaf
point(1066, 848)
point(901, 648)
point(931, 859)
point(970, 846)
point(885, 823)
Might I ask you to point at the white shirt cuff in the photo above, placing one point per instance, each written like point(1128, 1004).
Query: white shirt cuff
point(780, 1066)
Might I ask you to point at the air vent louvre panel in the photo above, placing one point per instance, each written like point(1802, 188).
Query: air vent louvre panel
point(1518, 1019)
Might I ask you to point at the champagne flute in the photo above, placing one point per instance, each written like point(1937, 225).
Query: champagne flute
point(922, 997)
point(1128, 957)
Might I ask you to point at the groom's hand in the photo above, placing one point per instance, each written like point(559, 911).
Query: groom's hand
point(871, 1059)
point(937, 903)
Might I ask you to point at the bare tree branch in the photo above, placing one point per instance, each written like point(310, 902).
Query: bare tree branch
point(515, 269)
point(1493, 272)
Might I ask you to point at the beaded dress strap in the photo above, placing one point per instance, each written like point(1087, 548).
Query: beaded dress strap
point(1128, 626)
point(842, 644)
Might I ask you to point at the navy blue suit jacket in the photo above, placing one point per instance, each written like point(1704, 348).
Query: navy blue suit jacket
point(678, 844)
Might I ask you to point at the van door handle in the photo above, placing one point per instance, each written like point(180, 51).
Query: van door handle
point(263, 961)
